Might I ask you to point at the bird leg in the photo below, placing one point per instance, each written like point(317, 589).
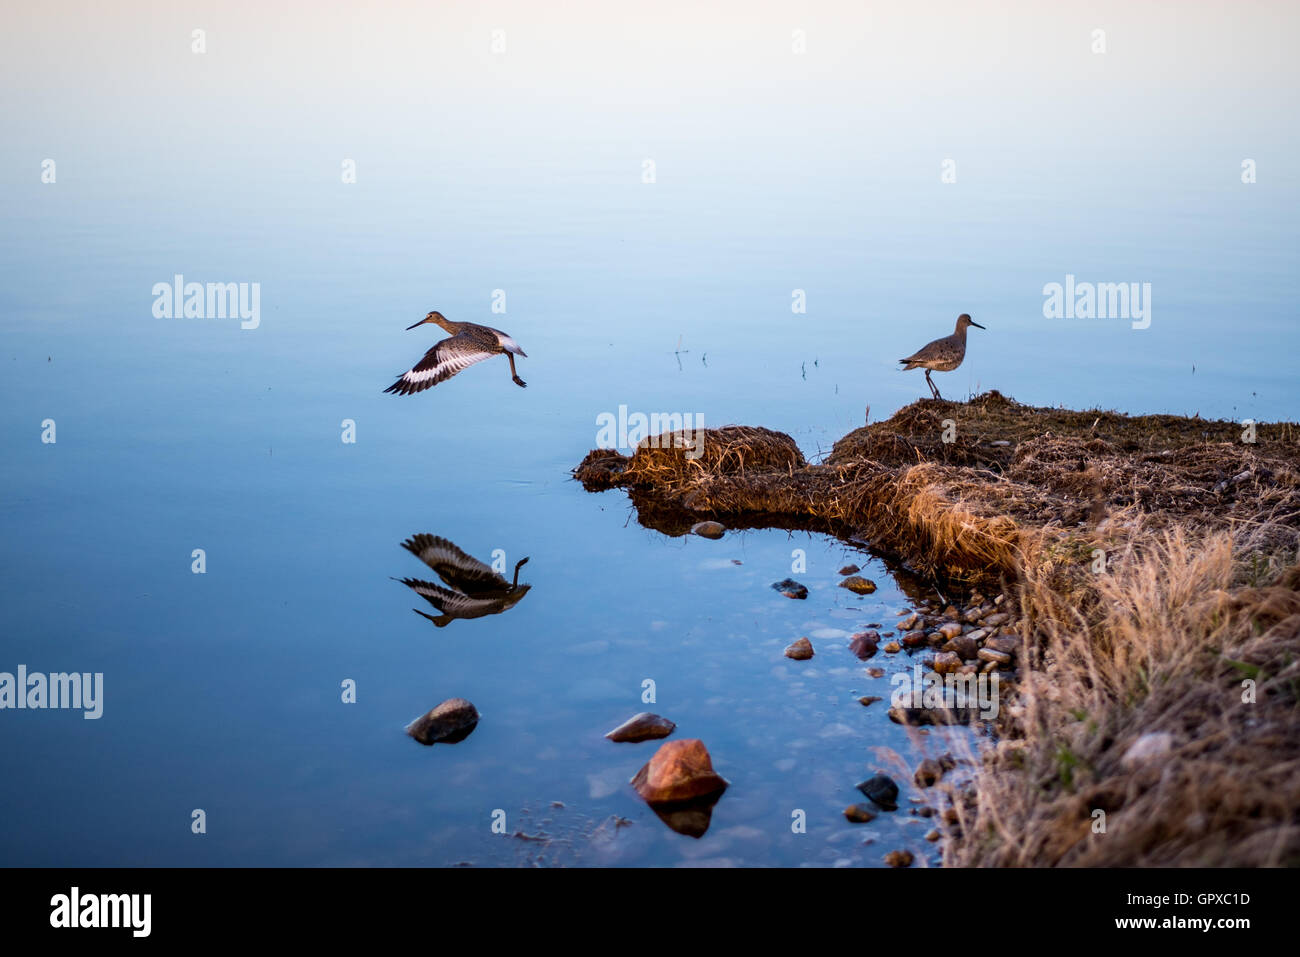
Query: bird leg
point(514, 375)
point(933, 389)
point(518, 565)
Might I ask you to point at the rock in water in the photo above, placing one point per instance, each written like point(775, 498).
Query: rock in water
point(713, 530)
point(850, 570)
point(881, 789)
point(858, 585)
point(679, 771)
point(859, 813)
point(864, 644)
point(899, 858)
point(791, 588)
point(800, 650)
point(642, 727)
point(449, 722)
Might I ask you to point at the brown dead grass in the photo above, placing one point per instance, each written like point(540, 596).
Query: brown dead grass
point(1201, 591)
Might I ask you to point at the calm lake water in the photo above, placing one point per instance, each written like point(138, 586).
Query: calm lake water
point(222, 689)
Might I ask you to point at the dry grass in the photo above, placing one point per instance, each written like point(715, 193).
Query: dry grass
point(1201, 591)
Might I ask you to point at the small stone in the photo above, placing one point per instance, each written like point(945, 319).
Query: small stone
point(950, 629)
point(850, 570)
point(800, 650)
point(1000, 599)
point(932, 835)
point(678, 771)
point(899, 858)
point(873, 624)
point(1000, 443)
point(859, 813)
point(961, 645)
point(893, 647)
point(995, 656)
point(449, 722)
point(713, 530)
point(945, 662)
point(642, 727)
point(858, 585)
point(915, 639)
point(1007, 644)
point(968, 669)
point(928, 773)
point(882, 790)
point(908, 623)
point(791, 588)
point(989, 667)
point(977, 634)
point(1147, 748)
point(876, 672)
point(951, 612)
point(992, 621)
point(864, 644)
point(869, 699)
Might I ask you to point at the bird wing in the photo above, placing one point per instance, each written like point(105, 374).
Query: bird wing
point(458, 569)
point(447, 601)
point(440, 363)
point(931, 350)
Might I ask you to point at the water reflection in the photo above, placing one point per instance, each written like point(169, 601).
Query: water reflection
point(474, 590)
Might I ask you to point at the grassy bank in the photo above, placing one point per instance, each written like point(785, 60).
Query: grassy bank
point(1152, 561)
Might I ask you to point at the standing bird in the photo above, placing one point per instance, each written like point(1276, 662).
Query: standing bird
point(942, 355)
point(469, 343)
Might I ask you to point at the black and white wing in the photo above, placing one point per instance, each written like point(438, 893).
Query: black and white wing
point(459, 570)
point(440, 363)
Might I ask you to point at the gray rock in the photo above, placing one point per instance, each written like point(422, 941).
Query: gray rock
point(713, 530)
point(449, 722)
point(882, 790)
point(791, 588)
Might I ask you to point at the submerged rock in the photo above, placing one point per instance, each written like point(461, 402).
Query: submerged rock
point(869, 699)
point(791, 588)
point(678, 771)
point(713, 530)
point(882, 790)
point(864, 644)
point(850, 570)
point(899, 858)
point(858, 585)
point(859, 813)
point(449, 722)
point(800, 650)
point(642, 727)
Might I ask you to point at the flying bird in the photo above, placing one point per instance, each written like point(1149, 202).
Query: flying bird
point(942, 355)
point(469, 343)
point(473, 588)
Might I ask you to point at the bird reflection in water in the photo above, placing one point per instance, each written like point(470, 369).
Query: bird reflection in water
point(473, 589)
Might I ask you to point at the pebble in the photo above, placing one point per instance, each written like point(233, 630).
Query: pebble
point(928, 773)
point(449, 722)
point(679, 771)
point(713, 530)
point(850, 570)
point(962, 645)
point(893, 647)
point(864, 644)
point(876, 672)
point(791, 588)
point(946, 662)
point(1007, 644)
point(858, 585)
point(800, 650)
point(932, 835)
point(994, 656)
point(1001, 618)
point(950, 629)
point(859, 813)
point(899, 858)
point(869, 699)
point(642, 727)
point(915, 639)
point(908, 623)
point(882, 790)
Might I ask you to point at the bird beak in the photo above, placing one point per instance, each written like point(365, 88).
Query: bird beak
point(420, 323)
point(978, 326)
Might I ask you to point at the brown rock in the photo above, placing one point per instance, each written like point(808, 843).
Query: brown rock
point(950, 629)
point(679, 771)
point(945, 662)
point(449, 722)
point(868, 699)
point(858, 585)
point(915, 639)
point(642, 727)
point(893, 647)
point(928, 773)
point(908, 623)
point(876, 672)
point(1001, 618)
point(994, 656)
point(800, 650)
point(850, 570)
point(859, 813)
point(899, 858)
point(790, 588)
point(709, 529)
point(1007, 644)
point(864, 644)
point(961, 646)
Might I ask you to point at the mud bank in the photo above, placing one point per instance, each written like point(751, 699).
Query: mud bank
point(1152, 563)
